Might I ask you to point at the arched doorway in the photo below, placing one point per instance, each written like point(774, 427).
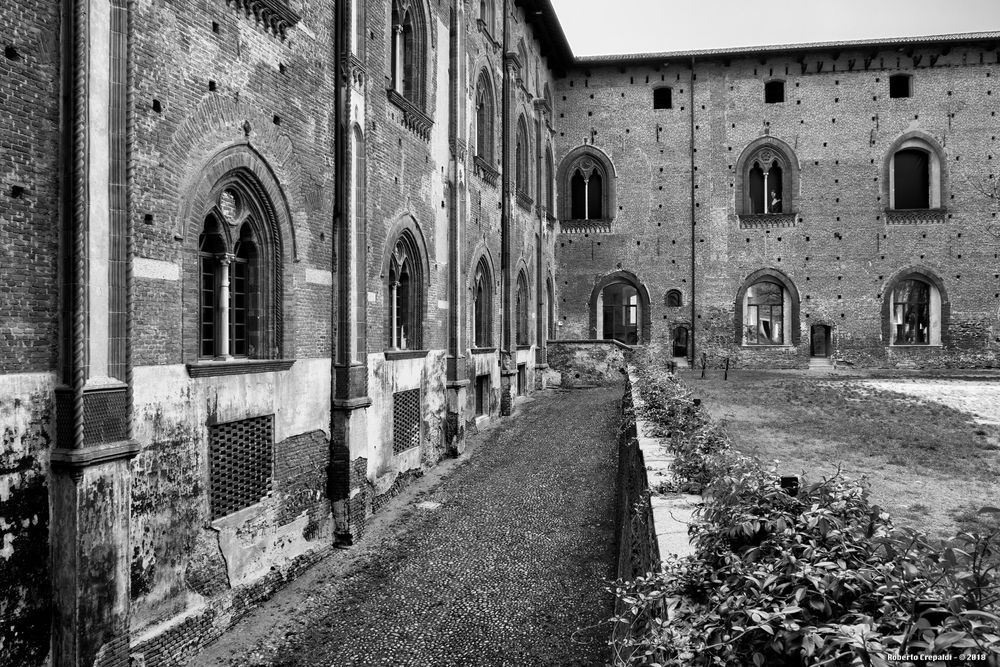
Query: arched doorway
point(621, 313)
point(680, 346)
point(820, 341)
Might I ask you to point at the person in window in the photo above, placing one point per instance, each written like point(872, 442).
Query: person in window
point(775, 203)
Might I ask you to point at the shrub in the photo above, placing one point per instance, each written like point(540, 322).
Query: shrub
point(821, 578)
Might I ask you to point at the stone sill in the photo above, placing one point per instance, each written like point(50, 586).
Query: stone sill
point(485, 170)
point(414, 118)
point(748, 346)
point(483, 350)
point(235, 520)
point(916, 346)
point(524, 347)
point(238, 367)
point(916, 216)
point(601, 226)
point(399, 355)
point(766, 220)
point(592, 341)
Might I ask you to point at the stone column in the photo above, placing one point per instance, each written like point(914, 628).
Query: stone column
point(90, 485)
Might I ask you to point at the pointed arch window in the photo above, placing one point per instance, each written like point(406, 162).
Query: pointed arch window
point(235, 314)
point(586, 187)
point(766, 184)
point(548, 184)
point(521, 160)
point(407, 46)
point(482, 306)
point(485, 112)
point(521, 309)
point(487, 14)
point(404, 296)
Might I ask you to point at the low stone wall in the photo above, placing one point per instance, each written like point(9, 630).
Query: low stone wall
point(574, 363)
point(651, 522)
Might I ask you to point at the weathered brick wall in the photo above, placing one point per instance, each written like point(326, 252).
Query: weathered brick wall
point(26, 422)
point(588, 363)
point(841, 254)
point(29, 242)
point(29, 195)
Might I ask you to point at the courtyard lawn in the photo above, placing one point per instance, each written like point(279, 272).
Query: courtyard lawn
point(930, 465)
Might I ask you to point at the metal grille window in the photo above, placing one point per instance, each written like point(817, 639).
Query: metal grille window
point(405, 420)
point(241, 458)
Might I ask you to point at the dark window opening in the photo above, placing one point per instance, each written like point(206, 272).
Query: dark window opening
point(899, 85)
point(774, 92)
point(663, 98)
point(621, 313)
point(550, 331)
point(674, 299)
point(522, 379)
point(764, 318)
point(911, 176)
point(911, 313)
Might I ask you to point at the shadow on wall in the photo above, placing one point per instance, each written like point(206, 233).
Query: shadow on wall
point(586, 363)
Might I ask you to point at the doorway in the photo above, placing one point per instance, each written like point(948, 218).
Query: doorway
point(680, 342)
point(820, 337)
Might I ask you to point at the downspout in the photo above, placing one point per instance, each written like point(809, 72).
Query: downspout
point(691, 93)
point(341, 244)
point(505, 209)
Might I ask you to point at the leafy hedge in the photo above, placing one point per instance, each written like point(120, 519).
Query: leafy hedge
point(821, 578)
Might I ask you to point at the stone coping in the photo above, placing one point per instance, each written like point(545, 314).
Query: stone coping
point(672, 512)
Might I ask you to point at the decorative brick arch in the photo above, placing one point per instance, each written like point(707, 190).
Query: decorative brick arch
point(242, 169)
point(770, 149)
point(628, 278)
point(775, 276)
point(924, 274)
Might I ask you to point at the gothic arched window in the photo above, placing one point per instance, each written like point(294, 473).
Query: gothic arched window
point(407, 45)
point(404, 295)
point(767, 178)
point(482, 305)
point(587, 186)
point(235, 277)
point(521, 309)
point(521, 158)
point(485, 112)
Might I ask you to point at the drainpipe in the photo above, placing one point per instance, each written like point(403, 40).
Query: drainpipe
point(505, 218)
point(691, 93)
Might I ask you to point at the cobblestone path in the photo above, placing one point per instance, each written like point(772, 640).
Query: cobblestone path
point(510, 569)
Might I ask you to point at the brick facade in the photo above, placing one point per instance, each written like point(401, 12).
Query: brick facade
point(213, 94)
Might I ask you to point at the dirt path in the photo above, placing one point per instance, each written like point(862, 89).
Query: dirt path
point(501, 563)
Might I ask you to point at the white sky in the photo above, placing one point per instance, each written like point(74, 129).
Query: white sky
point(599, 27)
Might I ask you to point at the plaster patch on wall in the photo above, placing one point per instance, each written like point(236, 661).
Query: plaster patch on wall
point(155, 269)
point(319, 277)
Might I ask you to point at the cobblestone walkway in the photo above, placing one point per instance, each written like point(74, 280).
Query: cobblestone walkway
point(508, 569)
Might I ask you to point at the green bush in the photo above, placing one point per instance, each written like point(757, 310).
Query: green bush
point(821, 578)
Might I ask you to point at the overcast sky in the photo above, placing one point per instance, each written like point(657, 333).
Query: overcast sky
point(636, 26)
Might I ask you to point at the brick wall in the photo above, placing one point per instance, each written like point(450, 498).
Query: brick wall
point(841, 253)
point(29, 194)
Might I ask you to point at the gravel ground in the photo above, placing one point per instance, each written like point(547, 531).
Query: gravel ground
point(979, 398)
point(502, 562)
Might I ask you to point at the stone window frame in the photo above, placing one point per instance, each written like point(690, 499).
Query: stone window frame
point(405, 249)
point(791, 308)
point(937, 179)
point(673, 295)
point(522, 157)
point(645, 318)
point(589, 158)
point(769, 150)
point(241, 170)
point(939, 307)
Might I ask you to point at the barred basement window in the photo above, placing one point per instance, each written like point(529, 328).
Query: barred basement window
point(241, 457)
point(405, 420)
